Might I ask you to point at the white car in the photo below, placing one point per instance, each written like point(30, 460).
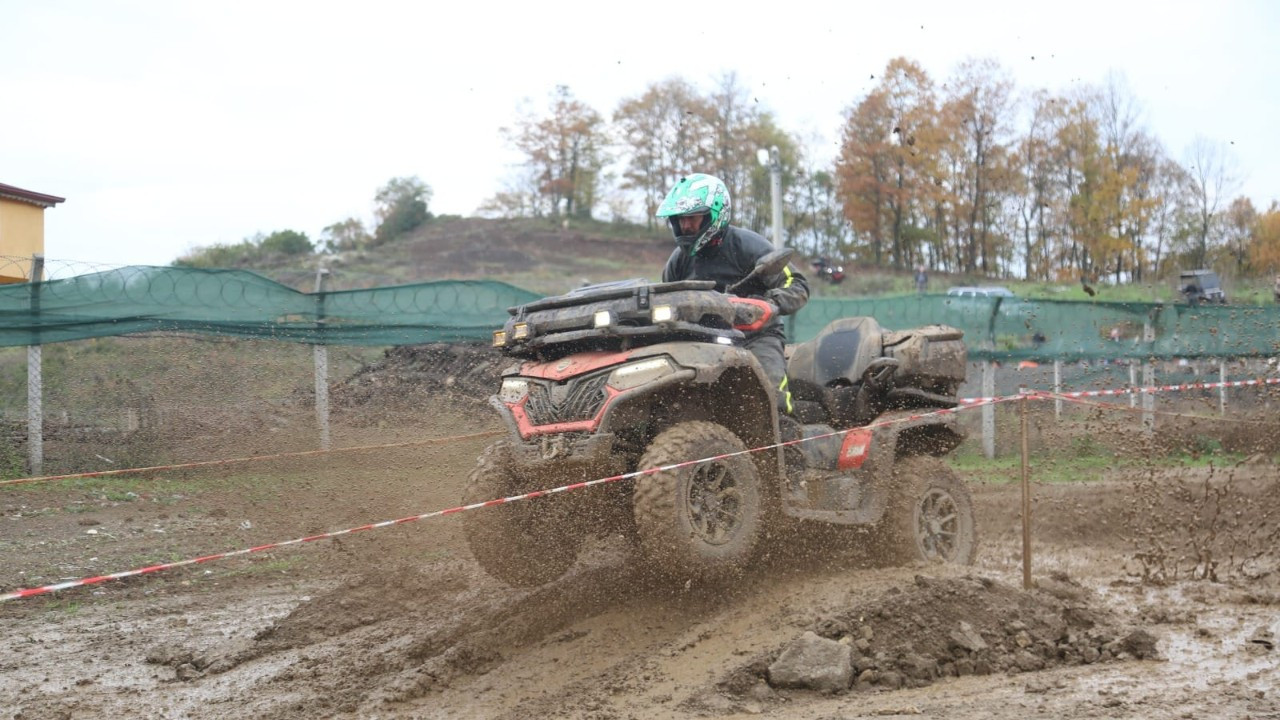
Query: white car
point(981, 291)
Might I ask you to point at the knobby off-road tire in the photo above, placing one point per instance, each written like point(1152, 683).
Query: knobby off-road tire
point(702, 520)
point(929, 517)
point(524, 543)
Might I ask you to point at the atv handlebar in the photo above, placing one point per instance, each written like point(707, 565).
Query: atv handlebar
point(751, 314)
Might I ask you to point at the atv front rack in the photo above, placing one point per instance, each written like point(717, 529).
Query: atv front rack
point(619, 316)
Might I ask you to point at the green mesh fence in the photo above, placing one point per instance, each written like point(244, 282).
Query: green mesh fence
point(1016, 329)
point(244, 304)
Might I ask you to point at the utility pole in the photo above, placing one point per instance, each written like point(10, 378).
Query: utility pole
point(770, 159)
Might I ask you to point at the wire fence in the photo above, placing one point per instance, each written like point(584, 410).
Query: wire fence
point(135, 299)
point(148, 365)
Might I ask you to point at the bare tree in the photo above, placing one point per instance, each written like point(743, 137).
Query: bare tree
point(1213, 179)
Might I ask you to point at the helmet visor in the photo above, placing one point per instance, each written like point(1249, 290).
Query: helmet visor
point(689, 227)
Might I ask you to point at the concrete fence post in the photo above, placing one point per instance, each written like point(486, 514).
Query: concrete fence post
point(988, 410)
point(1133, 384)
point(1149, 381)
point(35, 377)
point(1222, 388)
point(1057, 389)
point(320, 354)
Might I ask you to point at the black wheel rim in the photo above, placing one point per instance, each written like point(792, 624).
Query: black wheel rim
point(937, 524)
point(714, 504)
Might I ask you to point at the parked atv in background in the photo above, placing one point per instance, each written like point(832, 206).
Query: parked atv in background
point(1201, 286)
point(628, 376)
point(824, 270)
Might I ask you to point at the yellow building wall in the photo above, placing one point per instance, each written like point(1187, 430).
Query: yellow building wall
point(21, 236)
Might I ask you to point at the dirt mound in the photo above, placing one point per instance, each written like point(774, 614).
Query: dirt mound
point(949, 627)
point(411, 377)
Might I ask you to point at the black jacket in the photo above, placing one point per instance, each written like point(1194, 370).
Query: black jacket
point(732, 257)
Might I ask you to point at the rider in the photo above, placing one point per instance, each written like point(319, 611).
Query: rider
point(709, 248)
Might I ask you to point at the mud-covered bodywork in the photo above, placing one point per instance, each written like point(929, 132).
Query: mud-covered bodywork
point(635, 376)
point(603, 369)
point(597, 407)
point(600, 371)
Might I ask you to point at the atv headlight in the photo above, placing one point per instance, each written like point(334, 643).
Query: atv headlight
point(513, 390)
point(662, 313)
point(603, 319)
point(520, 331)
point(638, 373)
point(499, 338)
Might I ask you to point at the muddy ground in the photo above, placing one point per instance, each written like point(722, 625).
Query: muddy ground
point(1157, 597)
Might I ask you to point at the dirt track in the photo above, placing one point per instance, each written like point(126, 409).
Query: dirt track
point(401, 623)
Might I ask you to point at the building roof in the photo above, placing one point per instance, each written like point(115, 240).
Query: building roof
point(10, 192)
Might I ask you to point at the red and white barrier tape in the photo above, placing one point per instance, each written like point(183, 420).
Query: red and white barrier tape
point(1163, 413)
point(32, 592)
point(965, 404)
point(1165, 388)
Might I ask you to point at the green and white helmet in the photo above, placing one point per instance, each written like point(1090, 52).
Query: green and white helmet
point(697, 194)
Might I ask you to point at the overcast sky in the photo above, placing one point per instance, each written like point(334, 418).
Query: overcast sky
point(174, 125)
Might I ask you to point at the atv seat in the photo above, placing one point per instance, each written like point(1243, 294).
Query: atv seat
point(854, 369)
point(823, 374)
point(836, 356)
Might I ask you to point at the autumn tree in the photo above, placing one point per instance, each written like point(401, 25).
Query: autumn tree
point(863, 172)
point(1032, 159)
point(887, 171)
point(820, 228)
point(565, 151)
point(979, 98)
point(1264, 247)
point(665, 133)
point(1170, 189)
point(739, 131)
point(1240, 224)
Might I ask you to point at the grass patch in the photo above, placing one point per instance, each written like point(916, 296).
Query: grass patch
point(273, 566)
point(65, 607)
point(1083, 460)
point(1055, 468)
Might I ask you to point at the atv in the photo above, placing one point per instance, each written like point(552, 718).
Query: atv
point(627, 377)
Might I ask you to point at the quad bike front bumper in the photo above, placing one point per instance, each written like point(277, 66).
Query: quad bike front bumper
point(572, 451)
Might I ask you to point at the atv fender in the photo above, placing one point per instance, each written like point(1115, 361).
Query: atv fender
point(736, 395)
point(894, 436)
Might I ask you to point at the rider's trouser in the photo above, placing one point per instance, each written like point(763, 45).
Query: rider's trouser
point(769, 350)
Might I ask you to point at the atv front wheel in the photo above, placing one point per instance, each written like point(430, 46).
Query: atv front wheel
point(929, 517)
point(701, 519)
point(525, 543)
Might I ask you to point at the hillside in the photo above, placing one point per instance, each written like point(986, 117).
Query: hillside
point(537, 255)
point(540, 256)
point(531, 254)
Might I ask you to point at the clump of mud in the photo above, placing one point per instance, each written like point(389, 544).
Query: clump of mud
point(937, 628)
point(1219, 524)
point(410, 377)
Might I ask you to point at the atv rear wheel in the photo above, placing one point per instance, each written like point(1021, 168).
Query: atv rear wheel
point(525, 543)
point(701, 519)
point(929, 517)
